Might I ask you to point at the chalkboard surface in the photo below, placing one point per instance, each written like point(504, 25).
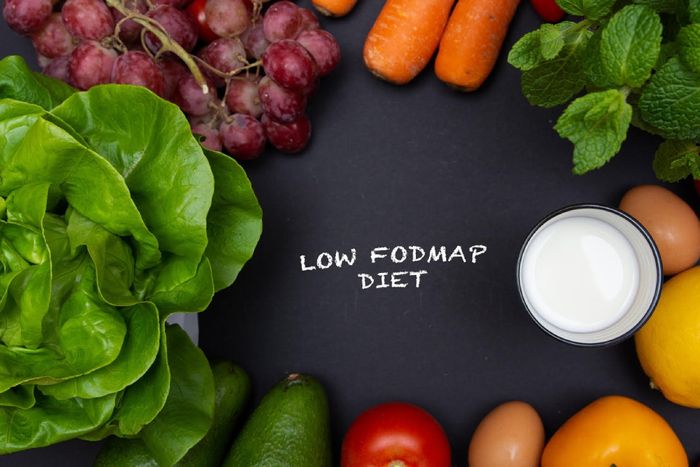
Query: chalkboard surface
point(419, 165)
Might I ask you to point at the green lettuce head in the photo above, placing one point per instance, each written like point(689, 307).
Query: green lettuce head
point(112, 218)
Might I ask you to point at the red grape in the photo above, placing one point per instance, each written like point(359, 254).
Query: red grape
point(191, 98)
point(224, 54)
point(254, 41)
point(58, 68)
point(282, 21)
point(25, 16)
point(243, 136)
point(309, 20)
point(129, 30)
point(280, 104)
point(242, 97)
point(179, 26)
point(173, 71)
point(87, 19)
point(90, 64)
point(323, 48)
point(288, 137)
point(227, 18)
point(197, 13)
point(211, 137)
point(53, 39)
point(77, 44)
point(290, 65)
point(138, 68)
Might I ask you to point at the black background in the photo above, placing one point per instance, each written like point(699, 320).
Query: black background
point(414, 165)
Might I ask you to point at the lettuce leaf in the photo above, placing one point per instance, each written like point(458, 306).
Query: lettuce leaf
point(113, 217)
point(18, 82)
point(189, 411)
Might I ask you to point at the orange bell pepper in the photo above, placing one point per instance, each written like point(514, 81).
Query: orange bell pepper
point(615, 430)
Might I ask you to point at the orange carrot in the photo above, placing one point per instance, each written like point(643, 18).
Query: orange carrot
point(334, 7)
point(472, 40)
point(404, 37)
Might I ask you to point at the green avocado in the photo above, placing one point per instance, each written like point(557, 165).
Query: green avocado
point(289, 428)
point(232, 390)
point(120, 452)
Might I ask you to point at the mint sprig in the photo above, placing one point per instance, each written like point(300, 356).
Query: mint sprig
point(633, 62)
point(554, 81)
point(629, 46)
point(539, 46)
point(597, 124)
point(676, 160)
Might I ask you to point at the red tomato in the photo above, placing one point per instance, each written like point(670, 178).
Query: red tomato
point(196, 11)
point(395, 434)
point(548, 10)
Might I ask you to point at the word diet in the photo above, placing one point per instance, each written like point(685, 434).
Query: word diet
point(396, 255)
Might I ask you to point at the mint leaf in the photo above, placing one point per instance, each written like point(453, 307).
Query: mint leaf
point(552, 38)
point(671, 101)
point(676, 160)
point(593, 64)
point(538, 46)
point(525, 53)
point(639, 123)
point(625, 50)
point(629, 46)
point(554, 82)
point(591, 9)
point(597, 124)
point(694, 11)
point(689, 46)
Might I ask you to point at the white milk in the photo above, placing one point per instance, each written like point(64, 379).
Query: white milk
point(580, 274)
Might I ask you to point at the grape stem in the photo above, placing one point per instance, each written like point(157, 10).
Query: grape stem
point(167, 44)
point(116, 41)
point(230, 74)
point(257, 9)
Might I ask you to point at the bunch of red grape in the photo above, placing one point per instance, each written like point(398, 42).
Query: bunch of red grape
point(241, 72)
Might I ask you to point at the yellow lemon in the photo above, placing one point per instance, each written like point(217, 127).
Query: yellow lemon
point(668, 345)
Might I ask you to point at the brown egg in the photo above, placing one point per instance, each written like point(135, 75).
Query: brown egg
point(511, 435)
point(673, 224)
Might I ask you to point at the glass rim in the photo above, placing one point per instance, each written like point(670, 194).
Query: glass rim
point(645, 234)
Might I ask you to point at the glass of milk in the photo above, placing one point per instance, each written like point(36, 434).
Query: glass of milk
point(589, 275)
